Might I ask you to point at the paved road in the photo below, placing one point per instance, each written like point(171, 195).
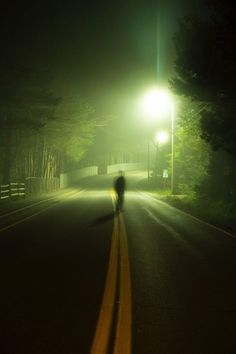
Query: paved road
point(76, 279)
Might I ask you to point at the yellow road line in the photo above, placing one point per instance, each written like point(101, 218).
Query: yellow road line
point(123, 332)
point(103, 330)
point(124, 325)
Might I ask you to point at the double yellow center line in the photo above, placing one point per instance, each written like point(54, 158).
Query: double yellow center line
point(117, 282)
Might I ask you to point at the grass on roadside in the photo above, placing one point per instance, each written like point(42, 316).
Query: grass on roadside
point(219, 212)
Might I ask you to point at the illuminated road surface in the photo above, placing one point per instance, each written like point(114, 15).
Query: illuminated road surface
point(74, 279)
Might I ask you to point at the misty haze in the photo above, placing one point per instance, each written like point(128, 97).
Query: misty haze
point(117, 177)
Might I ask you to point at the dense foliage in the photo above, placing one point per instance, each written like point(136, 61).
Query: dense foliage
point(192, 154)
point(205, 73)
point(40, 133)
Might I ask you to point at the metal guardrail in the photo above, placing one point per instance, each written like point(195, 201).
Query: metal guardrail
point(4, 191)
point(12, 190)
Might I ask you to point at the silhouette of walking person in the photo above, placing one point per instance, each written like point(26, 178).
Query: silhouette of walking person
point(120, 186)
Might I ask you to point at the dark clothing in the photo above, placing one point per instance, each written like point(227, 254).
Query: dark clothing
point(119, 187)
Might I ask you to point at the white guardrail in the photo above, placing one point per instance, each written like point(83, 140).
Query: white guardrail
point(124, 167)
point(12, 190)
point(70, 178)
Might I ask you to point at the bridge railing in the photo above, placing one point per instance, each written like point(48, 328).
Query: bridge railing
point(124, 167)
point(70, 178)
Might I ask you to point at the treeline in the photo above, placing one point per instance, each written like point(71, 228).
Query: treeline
point(205, 79)
point(41, 134)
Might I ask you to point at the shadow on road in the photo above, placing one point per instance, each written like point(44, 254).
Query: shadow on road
point(104, 218)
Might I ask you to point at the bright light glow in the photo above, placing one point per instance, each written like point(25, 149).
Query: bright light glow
point(162, 137)
point(156, 103)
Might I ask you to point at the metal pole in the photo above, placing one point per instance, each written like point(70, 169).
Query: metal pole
point(172, 149)
point(156, 160)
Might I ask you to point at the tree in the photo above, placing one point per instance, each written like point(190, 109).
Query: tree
point(72, 130)
point(25, 104)
point(192, 153)
point(205, 73)
point(205, 67)
point(58, 144)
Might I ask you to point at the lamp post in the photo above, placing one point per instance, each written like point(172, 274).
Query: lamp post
point(155, 104)
point(148, 155)
point(161, 138)
point(172, 148)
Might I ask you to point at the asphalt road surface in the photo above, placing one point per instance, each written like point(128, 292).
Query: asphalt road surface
point(78, 279)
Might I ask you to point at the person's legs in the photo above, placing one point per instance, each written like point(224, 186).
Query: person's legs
point(121, 201)
point(117, 203)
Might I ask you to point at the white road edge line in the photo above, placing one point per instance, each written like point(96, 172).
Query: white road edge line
point(191, 216)
point(167, 227)
point(34, 204)
point(29, 217)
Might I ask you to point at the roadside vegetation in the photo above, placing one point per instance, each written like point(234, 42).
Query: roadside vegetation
point(41, 135)
point(204, 83)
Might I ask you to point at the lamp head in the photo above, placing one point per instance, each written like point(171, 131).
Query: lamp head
point(162, 137)
point(156, 103)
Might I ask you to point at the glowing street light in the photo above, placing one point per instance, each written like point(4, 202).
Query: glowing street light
point(161, 137)
point(157, 103)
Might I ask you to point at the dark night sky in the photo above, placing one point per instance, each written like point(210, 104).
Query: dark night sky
point(106, 51)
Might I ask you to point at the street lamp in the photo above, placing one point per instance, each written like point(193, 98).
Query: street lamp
point(157, 103)
point(161, 138)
